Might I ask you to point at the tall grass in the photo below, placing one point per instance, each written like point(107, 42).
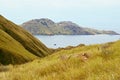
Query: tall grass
point(98, 66)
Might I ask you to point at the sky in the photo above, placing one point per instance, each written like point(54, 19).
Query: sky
point(98, 14)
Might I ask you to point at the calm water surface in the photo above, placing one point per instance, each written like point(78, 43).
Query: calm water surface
point(57, 41)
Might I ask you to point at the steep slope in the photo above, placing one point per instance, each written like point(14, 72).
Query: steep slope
point(17, 45)
point(48, 27)
point(12, 51)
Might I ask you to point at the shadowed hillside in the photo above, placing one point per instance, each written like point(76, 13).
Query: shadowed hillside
point(17, 45)
point(11, 51)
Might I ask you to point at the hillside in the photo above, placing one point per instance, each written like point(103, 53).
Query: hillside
point(48, 27)
point(17, 45)
point(93, 62)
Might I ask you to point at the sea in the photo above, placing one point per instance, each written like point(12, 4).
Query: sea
point(62, 41)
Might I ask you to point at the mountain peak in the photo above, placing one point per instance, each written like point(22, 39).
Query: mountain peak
point(43, 20)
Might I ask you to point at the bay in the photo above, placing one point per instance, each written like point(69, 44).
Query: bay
point(60, 41)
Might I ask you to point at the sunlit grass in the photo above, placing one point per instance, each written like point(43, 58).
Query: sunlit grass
point(100, 65)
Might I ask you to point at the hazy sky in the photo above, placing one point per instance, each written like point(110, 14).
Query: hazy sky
point(99, 14)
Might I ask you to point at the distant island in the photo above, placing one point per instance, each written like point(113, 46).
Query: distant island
point(46, 26)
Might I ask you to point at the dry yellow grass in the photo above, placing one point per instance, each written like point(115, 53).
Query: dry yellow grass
point(102, 63)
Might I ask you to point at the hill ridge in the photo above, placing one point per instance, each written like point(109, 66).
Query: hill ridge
point(46, 26)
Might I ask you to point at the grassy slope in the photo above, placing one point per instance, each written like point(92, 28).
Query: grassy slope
point(68, 64)
point(12, 51)
point(27, 40)
point(17, 45)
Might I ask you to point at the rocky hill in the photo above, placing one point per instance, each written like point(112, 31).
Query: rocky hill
point(46, 26)
point(17, 45)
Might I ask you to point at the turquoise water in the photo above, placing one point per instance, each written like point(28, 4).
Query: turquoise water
point(57, 41)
